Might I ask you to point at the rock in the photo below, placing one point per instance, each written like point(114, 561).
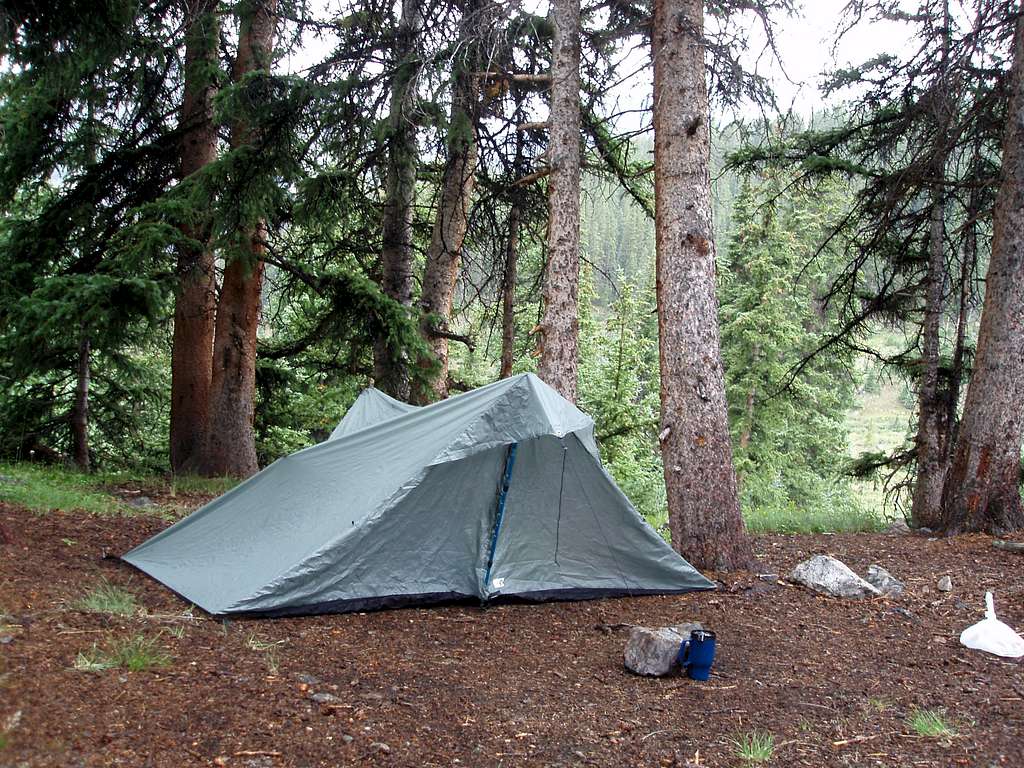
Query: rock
point(904, 613)
point(945, 584)
point(898, 527)
point(323, 698)
point(380, 746)
point(302, 677)
point(654, 652)
point(883, 581)
point(140, 502)
point(348, 739)
point(831, 577)
point(259, 762)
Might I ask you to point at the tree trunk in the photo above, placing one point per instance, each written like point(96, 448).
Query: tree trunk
point(703, 507)
point(194, 308)
point(230, 440)
point(391, 366)
point(80, 410)
point(558, 332)
point(932, 425)
point(982, 491)
point(508, 294)
point(445, 252)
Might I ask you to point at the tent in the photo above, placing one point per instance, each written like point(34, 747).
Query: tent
point(495, 493)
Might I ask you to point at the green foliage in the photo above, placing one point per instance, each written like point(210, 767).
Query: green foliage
point(108, 598)
point(135, 654)
point(787, 408)
point(754, 747)
point(618, 386)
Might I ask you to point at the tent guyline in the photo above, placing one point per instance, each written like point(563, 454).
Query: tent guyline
point(398, 507)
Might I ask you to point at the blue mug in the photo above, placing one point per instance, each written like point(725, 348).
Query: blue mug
point(697, 654)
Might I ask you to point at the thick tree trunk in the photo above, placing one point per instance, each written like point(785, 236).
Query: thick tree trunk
point(558, 332)
point(932, 413)
point(445, 252)
point(80, 410)
point(508, 294)
point(195, 306)
point(703, 508)
point(982, 490)
point(391, 366)
point(230, 440)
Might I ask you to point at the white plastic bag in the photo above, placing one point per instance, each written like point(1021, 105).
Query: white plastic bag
point(992, 636)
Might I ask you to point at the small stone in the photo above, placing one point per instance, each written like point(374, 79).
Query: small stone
point(323, 698)
point(884, 581)
point(140, 502)
point(381, 747)
point(903, 612)
point(829, 576)
point(302, 677)
point(945, 584)
point(348, 739)
point(6, 639)
point(655, 652)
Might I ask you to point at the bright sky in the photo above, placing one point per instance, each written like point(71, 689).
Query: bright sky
point(805, 43)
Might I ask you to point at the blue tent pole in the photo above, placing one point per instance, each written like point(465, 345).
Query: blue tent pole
point(506, 480)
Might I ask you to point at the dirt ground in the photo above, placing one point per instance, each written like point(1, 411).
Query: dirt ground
point(834, 682)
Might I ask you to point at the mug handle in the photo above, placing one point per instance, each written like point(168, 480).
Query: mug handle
point(684, 653)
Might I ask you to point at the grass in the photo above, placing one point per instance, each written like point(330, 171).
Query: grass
point(108, 598)
point(931, 724)
point(269, 649)
point(136, 654)
point(755, 747)
point(43, 488)
point(835, 520)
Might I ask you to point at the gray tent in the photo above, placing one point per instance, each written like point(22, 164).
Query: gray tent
point(498, 492)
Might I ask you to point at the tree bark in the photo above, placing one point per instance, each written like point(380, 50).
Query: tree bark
point(445, 252)
point(230, 440)
point(703, 507)
point(508, 293)
point(80, 410)
point(391, 366)
point(195, 305)
point(558, 331)
point(982, 491)
point(932, 412)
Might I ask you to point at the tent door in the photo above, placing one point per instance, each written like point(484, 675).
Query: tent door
point(506, 481)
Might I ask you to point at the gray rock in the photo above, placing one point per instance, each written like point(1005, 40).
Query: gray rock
point(883, 581)
point(829, 576)
point(140, 502)
point(654, 652)
point(380, 746)
point(945, 584)
point(347, 738)
point(323, 698)
point(898, 527)
point(259, 762)
point(302, 677)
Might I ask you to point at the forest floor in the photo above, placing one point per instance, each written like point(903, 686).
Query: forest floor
point(837, 683)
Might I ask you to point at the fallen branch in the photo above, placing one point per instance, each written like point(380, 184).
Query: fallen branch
point(1009, 546)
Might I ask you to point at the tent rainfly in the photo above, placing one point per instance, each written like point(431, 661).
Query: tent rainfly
point(498, 492)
